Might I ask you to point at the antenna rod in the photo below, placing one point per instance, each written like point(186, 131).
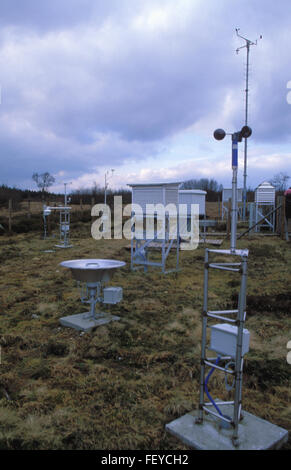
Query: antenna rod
point(106, 184)
point(247, 45)
point(65, 184)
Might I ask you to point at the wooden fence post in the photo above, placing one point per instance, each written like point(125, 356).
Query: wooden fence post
point(10, 215)
point(278, 215)
point(28, 209)
point(283, 217)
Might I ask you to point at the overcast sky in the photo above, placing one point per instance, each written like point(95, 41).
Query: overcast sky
point(140, 86)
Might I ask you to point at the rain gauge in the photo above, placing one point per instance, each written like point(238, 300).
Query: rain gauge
point(93, 275)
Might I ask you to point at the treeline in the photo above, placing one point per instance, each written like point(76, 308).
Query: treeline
point(19, 195)
point(85, 195)
point(213, 189)
point(97, 195)
point(211, 186)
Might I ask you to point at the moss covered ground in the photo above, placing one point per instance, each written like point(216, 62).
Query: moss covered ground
point(117, 387)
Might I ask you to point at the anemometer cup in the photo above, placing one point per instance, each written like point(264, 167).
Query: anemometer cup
point(219, 134)
point(245, 132)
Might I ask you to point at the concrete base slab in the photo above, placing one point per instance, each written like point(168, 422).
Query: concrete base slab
point(84, 322)
point(254, 433)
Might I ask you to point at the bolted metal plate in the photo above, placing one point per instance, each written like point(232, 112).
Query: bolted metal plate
point(84, 322)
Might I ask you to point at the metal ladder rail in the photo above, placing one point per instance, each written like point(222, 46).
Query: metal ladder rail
point(240, 319)
point(138, 244)
point(64, 232)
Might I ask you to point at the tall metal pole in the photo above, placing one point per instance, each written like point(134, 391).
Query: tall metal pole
point(105, 189)
point(246, 145)
point(66, 200)
point(234, 192)
point(247, 46)
point(65, 194)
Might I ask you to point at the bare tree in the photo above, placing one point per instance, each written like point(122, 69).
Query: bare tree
point(43, 181)
point(280, 181)
point(203, 183)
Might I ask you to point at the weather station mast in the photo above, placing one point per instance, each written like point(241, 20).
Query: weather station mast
point(247, 45)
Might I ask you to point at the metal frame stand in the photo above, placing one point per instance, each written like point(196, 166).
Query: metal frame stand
point(269, 218)
point(140, 247)
point(224, 210)
point(64, 227)
point(251, 207)
point(236, 317)
point(65, 213)
point(90, 294)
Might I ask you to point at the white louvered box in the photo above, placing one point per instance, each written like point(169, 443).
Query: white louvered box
point(155, 193)
point(112, 295)
point(227, 194)
point(193, 196)
point(265, 194)
point(224, 338)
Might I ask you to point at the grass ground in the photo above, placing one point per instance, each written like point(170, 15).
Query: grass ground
point(118, 386)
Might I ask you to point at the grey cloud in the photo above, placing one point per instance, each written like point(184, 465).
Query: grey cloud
point(53, 14)
point(82, 87)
